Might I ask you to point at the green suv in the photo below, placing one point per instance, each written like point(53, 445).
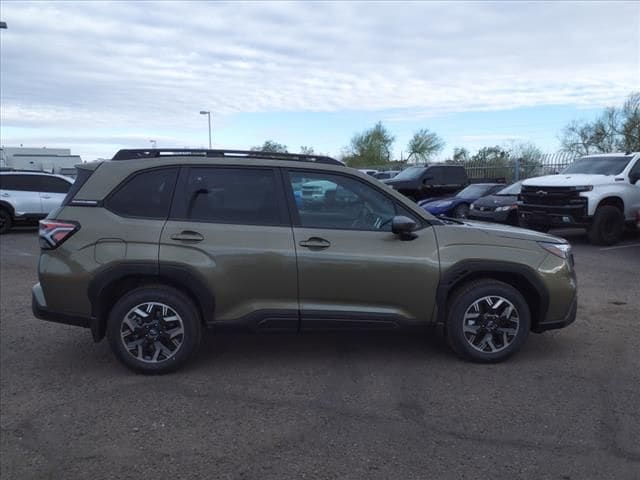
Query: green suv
point(151, 247)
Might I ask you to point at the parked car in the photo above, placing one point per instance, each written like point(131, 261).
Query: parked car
point(27, 196)
point(421, 182)
point(501, 207)
point(458, 205)
point(598, 192)
point(387, 174)
point(369, 171)
point(152, 247)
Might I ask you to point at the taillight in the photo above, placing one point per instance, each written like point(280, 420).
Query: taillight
point(54, 233)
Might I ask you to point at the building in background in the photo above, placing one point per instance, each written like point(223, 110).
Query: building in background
point(52, 160)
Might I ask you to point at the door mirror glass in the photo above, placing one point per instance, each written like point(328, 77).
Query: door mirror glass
point(403, 227)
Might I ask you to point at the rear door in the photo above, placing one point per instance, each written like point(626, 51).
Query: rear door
point(353, 272)
point(22, 192)
point(52, 192)
point(229, 228)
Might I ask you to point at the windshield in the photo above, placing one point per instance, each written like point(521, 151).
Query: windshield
point(598, 165)
point(410, 173)
point(513, 189)
point(474, 191)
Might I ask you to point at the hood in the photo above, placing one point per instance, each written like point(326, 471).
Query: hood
point(437, 202)
point(568, 180)
point(392, 182)
point(505, 231)
point(496, 200)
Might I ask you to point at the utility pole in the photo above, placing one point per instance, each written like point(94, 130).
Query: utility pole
point(208, 114)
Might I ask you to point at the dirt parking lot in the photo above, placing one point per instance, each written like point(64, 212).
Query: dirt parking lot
point(328, 405)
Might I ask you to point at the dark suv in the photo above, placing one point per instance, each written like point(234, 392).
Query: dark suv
point(152, 246)
point(420, 182)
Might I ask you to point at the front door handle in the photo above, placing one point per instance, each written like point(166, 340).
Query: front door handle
point(46, 196)
point(187, 236)
point(5, 194)
point(315, 243)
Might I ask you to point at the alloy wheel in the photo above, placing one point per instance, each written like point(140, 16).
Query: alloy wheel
point(152, 332)
point(491, 324)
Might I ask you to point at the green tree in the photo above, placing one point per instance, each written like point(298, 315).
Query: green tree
point(616, 129)
point(306, 150)
point(270, 146)
point(370, 148)
point(424, 145)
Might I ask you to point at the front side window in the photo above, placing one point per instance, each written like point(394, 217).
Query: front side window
point(242, 196)
point(53, 184)
point(145, 195)
point(325, 200)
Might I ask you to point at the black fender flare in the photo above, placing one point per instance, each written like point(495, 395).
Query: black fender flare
point(468, 269)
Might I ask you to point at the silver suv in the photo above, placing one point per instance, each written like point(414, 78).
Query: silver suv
point(26, 197)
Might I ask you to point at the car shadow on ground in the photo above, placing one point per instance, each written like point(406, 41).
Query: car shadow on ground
point(578, 236)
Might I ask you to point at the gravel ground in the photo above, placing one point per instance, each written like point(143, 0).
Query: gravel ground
point(350, 406)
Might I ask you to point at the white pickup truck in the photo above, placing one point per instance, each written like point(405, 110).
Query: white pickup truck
point(600, 192)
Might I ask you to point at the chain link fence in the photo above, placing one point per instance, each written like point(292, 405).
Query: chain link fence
point(518, 169)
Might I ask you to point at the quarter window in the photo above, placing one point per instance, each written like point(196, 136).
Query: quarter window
point(146, 195)
point(231, 195)
point(53, 185)
point(337, 201)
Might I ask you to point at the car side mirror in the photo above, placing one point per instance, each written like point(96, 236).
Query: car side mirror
point(403, 227)
point(427, 178)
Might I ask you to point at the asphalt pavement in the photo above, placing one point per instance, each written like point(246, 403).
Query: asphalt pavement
point(352, 406)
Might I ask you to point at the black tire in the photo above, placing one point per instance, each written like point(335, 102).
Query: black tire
point(607, 226)
point(6, 221)
point(178, 302)
point(461, 211)
point(463, 300)
point(533, 226)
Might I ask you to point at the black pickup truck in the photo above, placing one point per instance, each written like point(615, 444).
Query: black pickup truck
point(426, 181)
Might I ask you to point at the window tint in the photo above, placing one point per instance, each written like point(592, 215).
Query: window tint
point(24, 183)
point(146, 195)
point(53, 184)
point(336, 201)
point(231, 195)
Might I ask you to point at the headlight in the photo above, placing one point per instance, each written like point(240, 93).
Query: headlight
point(472, 206)
point(505, 208)
point(583, 188)
point(562, 250)
point(444, 204)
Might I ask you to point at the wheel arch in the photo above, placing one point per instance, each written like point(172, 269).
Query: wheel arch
point(521, 277)
point(8, 207)
point(110, 284)
point(613, 201)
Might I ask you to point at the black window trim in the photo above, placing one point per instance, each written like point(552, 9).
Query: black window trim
point(177, 213)
point(295, 216)
point(105, 202)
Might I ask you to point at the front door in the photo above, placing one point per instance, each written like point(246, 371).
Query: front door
point(352, 270)
point(229, 228)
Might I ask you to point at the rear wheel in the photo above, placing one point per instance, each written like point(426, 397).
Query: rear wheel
point(607, 226)
point(154, 329)
point(6, 221)
point(487, 321)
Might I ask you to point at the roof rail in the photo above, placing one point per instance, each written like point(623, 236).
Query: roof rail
point(130, 154)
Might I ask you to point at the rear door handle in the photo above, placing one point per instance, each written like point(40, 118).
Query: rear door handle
point(46, 196)
point(187, 236)
point(315, 243)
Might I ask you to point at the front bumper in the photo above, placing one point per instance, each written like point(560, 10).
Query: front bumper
point(489, 216)
point(554, 216)
point(568, 319)
point(40, 311)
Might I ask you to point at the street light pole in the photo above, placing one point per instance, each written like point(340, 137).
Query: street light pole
point(208, 114)
point(154, 144)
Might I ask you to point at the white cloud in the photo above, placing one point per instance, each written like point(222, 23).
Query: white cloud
point(144, 66)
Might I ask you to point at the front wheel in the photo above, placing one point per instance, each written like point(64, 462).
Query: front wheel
point(154, 329)
point(461, 211)
point(487, 321)
point(607, 226)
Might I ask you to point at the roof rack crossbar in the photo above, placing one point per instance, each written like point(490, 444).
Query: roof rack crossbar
point(130, 154)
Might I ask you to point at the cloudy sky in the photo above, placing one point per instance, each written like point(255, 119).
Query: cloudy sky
point(99, 76)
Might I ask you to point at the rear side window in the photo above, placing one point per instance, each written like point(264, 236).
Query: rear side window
point(21, 183)
point(230, 195)
point(53, 184)
point(145, 195)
